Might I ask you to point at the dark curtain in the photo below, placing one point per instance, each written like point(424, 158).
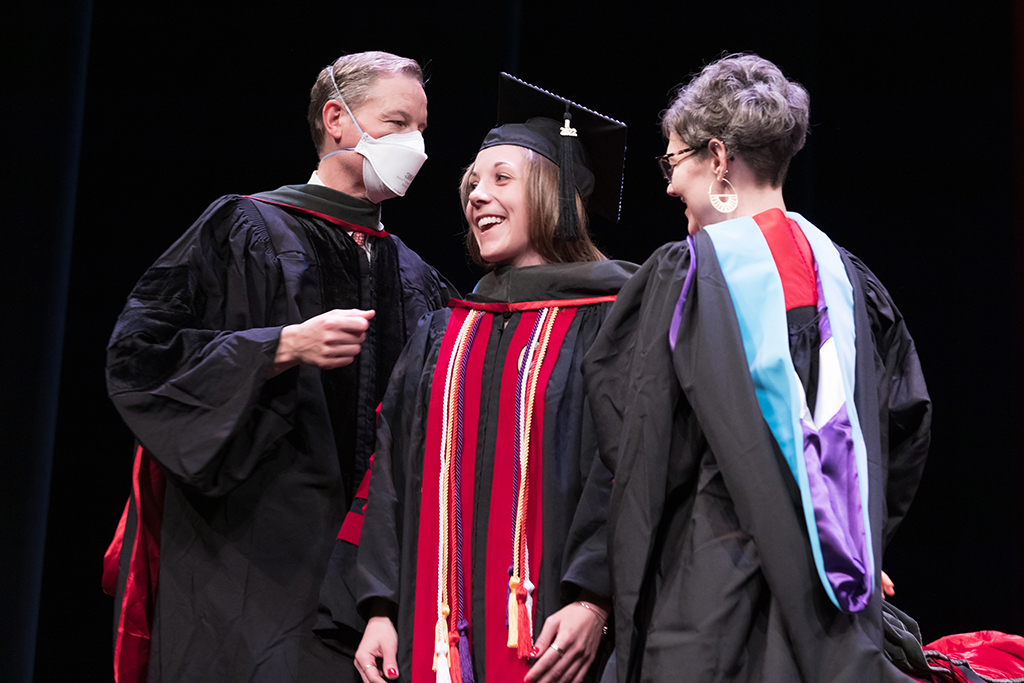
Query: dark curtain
point(909, 164)
point(45, 55)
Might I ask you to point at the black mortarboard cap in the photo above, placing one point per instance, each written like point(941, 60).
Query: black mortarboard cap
point(589, 149)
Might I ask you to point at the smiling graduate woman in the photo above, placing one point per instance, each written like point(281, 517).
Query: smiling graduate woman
point(467, 571)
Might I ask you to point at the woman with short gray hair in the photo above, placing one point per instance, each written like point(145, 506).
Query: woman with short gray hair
point(748, 104)
point(742, 109)
point(761, 405)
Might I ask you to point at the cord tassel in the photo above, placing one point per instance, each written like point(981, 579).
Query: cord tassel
point(453, 655)
point(465, 660)
point(440, 665)
point(444, 675)
point(525, 637)
point(513, 630)
point(508, 591)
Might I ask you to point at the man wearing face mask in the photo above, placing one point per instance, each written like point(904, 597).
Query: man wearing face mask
point(248, 363)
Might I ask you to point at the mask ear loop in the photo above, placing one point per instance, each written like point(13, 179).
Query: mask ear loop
point(330, 72)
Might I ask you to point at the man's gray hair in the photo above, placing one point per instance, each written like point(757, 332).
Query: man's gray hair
point(355, 74)
point(746, 102)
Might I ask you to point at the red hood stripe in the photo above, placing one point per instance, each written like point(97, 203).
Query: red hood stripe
point(497, 307)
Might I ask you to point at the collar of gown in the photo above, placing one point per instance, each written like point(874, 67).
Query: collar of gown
point(336, 207)
point(552, 282)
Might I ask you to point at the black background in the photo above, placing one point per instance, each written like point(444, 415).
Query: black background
point(909, 164)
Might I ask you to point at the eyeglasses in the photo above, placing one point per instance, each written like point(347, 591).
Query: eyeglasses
point(667, 167)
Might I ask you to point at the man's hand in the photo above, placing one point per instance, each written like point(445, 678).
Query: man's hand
point(329, 340)
point(378, 651)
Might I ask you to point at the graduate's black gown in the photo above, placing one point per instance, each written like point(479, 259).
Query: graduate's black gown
point(388, 566)
point(260, 471)
point(712, 569)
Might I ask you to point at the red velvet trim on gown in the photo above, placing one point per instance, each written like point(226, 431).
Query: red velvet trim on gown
point(138, 533)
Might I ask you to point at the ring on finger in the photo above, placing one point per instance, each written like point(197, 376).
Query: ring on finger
point(557, 649)
point(369, 666)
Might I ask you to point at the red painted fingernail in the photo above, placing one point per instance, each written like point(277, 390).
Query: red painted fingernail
point(534, 652)
point(392, 672)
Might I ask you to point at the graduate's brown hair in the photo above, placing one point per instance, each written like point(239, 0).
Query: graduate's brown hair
point(541, 193)
point(355, 74)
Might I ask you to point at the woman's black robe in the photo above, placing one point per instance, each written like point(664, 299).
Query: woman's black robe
point(713, 573)
point(387, 551)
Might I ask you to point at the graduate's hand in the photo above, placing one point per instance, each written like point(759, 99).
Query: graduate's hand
point(888, 588)
point(568, 644)
point(329, 340)
point(377, 655)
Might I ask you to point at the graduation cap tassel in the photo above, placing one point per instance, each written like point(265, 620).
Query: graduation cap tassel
point(590, 164)
point(567, 216)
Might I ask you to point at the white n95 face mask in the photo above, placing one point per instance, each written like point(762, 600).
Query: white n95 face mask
point(390, 162)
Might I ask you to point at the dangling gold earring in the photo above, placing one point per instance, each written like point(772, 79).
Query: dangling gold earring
point(724, 202)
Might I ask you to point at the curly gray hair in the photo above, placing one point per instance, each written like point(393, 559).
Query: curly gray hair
point(746, 102)
point(355, 75)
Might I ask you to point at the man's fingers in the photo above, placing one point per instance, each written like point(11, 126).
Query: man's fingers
point(368, 313)
point(347, 325)
point(340, 349)
point(353, 319)
point(335, 363)
point(329, 340)
point(334, 356)
point(356, 311)
point(338, 337)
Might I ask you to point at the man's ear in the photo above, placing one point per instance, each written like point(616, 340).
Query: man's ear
point(336, 120)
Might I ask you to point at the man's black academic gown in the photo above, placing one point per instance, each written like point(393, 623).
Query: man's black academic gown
point(713, 573)
point(260, 471)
